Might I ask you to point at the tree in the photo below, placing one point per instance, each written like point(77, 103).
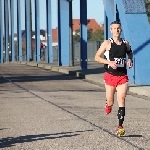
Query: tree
point(147, 6)
point(76, 36)
point(97, 35)
point(23, 47)
point(91, 36)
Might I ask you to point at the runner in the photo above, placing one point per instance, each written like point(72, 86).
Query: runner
point(115, 72)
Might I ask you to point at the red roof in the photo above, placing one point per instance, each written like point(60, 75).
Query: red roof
point(91, 24)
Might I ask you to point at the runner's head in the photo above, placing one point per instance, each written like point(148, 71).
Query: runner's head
point(115, 28)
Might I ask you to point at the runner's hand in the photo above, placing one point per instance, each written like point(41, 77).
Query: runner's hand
point(129, 63)
point(113, 64)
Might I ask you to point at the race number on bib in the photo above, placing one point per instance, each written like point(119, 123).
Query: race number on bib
point(120, 62)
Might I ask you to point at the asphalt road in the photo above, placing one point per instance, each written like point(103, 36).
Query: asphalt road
point(45, 110)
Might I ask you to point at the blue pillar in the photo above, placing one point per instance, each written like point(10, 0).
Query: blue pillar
point(71, 34)
point(1, 31)
point(27, 28)
point(83, 33)
point(109, 17)
point(63, 33)
point(19, 32)
point(105, 22)
point(115, 8)
point(37, 30)
point(105, 26)
point(6, 22)
point(49, 48)
point(12, 29)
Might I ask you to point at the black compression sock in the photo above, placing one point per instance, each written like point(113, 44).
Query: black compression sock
point(121, 114)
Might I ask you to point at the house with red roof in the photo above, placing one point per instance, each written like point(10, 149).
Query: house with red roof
point(91, 24)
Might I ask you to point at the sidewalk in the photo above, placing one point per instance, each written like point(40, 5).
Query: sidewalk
point(94, 74)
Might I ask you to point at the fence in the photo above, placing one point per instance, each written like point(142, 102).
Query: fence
point(92, 47)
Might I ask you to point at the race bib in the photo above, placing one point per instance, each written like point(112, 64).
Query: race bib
point(120, 62)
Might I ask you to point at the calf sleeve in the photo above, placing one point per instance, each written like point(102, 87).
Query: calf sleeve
point(121, 114)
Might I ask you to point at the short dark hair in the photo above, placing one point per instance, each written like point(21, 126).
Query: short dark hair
point(115, 22)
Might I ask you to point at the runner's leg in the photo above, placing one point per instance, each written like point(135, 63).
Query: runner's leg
point(121, 94)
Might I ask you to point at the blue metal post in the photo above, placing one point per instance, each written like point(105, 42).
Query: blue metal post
point(83, 33)
point(37, 30)
point(63, 33)
point(12, 30)
point(118, 18)
point(6, 22)
point(49, 48)
point(109, 17)
point(106, 29)
point(1, 31)
point(19, 33)
point(27, 27)
point(71, 34)
point(105, 22)
point(115, 7)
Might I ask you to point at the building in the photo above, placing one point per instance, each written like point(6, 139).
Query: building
point(91, 24)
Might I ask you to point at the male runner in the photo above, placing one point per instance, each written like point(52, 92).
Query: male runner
point(115, 72)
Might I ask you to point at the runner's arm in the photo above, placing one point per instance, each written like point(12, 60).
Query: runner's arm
point(130, 56)
point(101, 50)
point(129, 51)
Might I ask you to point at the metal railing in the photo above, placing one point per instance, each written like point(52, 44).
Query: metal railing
point(92, 47)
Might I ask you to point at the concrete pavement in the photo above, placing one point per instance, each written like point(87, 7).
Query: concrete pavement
point(94, 73)
point(45, 110)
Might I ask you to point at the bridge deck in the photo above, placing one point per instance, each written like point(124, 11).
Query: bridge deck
point(45, 110)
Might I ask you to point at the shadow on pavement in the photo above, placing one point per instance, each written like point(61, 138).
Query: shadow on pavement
point(36, 78)
point(3, 128)
point(11, 141)
point(33, 78)
point(132, 136)
point(91, 71)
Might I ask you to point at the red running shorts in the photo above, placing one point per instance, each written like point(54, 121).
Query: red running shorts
point(112, 80)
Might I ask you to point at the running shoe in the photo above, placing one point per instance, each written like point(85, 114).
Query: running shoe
point(120, 131)
point(107, 109)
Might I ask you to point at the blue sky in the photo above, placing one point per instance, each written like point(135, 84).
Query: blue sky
point(95, 10)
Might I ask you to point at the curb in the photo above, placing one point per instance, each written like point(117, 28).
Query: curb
point(96, 78)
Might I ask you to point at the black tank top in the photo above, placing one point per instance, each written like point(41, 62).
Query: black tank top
point(116, 53)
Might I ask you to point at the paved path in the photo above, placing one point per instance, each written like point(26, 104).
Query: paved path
point(45, 110)
point(93, 73)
